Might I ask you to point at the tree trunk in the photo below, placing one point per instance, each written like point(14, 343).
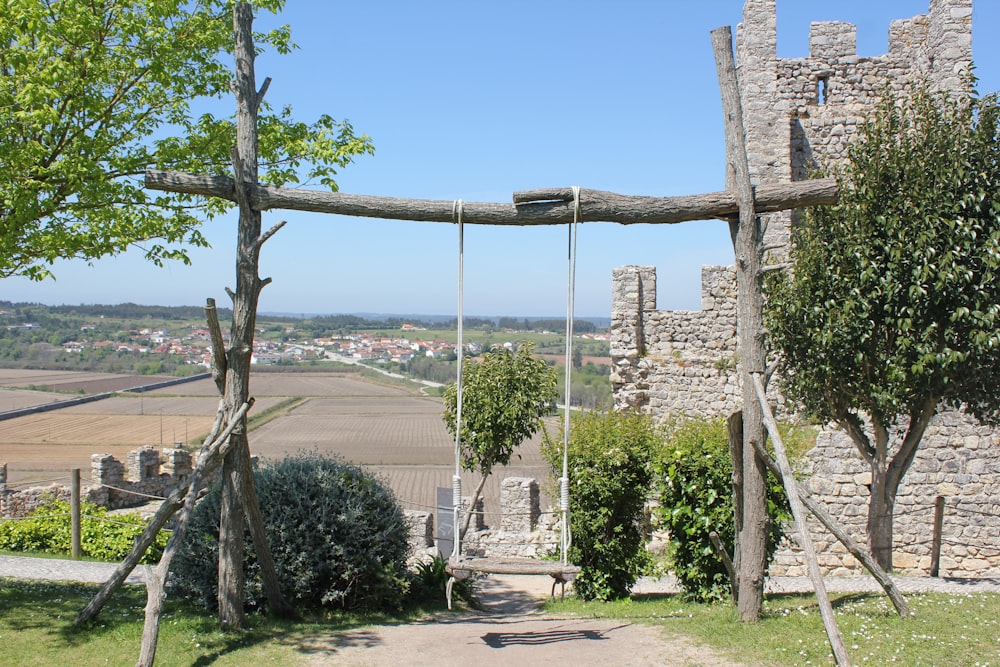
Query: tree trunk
point(880, 510)
point(472, 507)
point(237, 473)
point(231, 541)
point(747, 244)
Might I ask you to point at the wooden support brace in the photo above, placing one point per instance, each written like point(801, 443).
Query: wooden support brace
point(802, 532)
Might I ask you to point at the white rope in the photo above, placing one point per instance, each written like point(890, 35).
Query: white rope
point(456, 480)
point(566, 533)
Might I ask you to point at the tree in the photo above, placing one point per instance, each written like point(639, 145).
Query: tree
point(94, 93)
point(504, 397)
point(894, 305)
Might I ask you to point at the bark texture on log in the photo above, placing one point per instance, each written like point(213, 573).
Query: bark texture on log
point(239, 498)
point(802, 529)
point(596, 205)
point(734, 433)
point(747, 244)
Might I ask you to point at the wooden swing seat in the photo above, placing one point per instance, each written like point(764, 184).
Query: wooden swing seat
point(464, 567)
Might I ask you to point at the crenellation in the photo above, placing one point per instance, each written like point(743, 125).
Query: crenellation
point(148, 478)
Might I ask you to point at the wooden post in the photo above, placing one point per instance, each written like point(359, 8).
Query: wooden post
point(74, 510)
point(798, 513)
point(747, 246)
point(936, 537)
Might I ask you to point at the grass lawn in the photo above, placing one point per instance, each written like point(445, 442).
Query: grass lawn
point(36, 628)
point(951, 630)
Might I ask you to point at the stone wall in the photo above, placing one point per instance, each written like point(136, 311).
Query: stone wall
point(150, 476)
point(799, 115)
point(520, 530)
point(958, 460)
point(674, 361)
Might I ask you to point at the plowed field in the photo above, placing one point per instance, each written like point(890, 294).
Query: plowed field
point(396, 434)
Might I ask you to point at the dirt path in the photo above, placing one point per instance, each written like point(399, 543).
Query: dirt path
point(509, 631)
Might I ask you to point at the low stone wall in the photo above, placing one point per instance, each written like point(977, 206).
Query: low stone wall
point(150, 475)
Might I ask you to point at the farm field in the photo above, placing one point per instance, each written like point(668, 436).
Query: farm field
point(397, 434)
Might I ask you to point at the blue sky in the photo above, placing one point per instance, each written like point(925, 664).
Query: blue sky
point(475, 100)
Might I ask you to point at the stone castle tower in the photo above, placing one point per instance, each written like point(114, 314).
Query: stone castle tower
point(799, 115)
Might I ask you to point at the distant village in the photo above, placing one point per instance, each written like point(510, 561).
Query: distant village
point(193, 346)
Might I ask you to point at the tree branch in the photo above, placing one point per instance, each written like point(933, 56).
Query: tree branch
point(219, 362)
point(269, 233)
point(851, 424)
point(920, 417)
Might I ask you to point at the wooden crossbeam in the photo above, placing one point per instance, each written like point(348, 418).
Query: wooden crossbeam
point(552, 206)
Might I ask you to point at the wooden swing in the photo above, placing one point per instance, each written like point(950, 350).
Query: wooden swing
point(462, 567)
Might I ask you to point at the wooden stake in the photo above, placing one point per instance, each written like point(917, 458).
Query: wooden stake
point(936, 536)
point(802, 530)
point(859, 552)
point(747, 242)
point(720, 551)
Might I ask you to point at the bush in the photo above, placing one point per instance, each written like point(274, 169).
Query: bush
point(108, 538)
point(610, 476)
point(337, 535)
point(694, 481)
point(429, 579)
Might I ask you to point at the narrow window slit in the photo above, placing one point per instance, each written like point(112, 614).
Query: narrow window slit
point(822, 89)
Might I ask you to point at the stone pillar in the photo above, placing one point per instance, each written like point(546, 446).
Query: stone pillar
point(633, 297)
point(143, 463)
point(177, 464)
point(420, 529)
point(519, 504)
point(829, 41)
point(106, 469)
point(478, 518)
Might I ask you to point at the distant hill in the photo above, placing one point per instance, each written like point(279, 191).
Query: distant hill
point(133, 311)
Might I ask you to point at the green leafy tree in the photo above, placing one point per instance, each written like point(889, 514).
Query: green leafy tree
point(894, 305)
point(504, 397)
point(94, 93)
